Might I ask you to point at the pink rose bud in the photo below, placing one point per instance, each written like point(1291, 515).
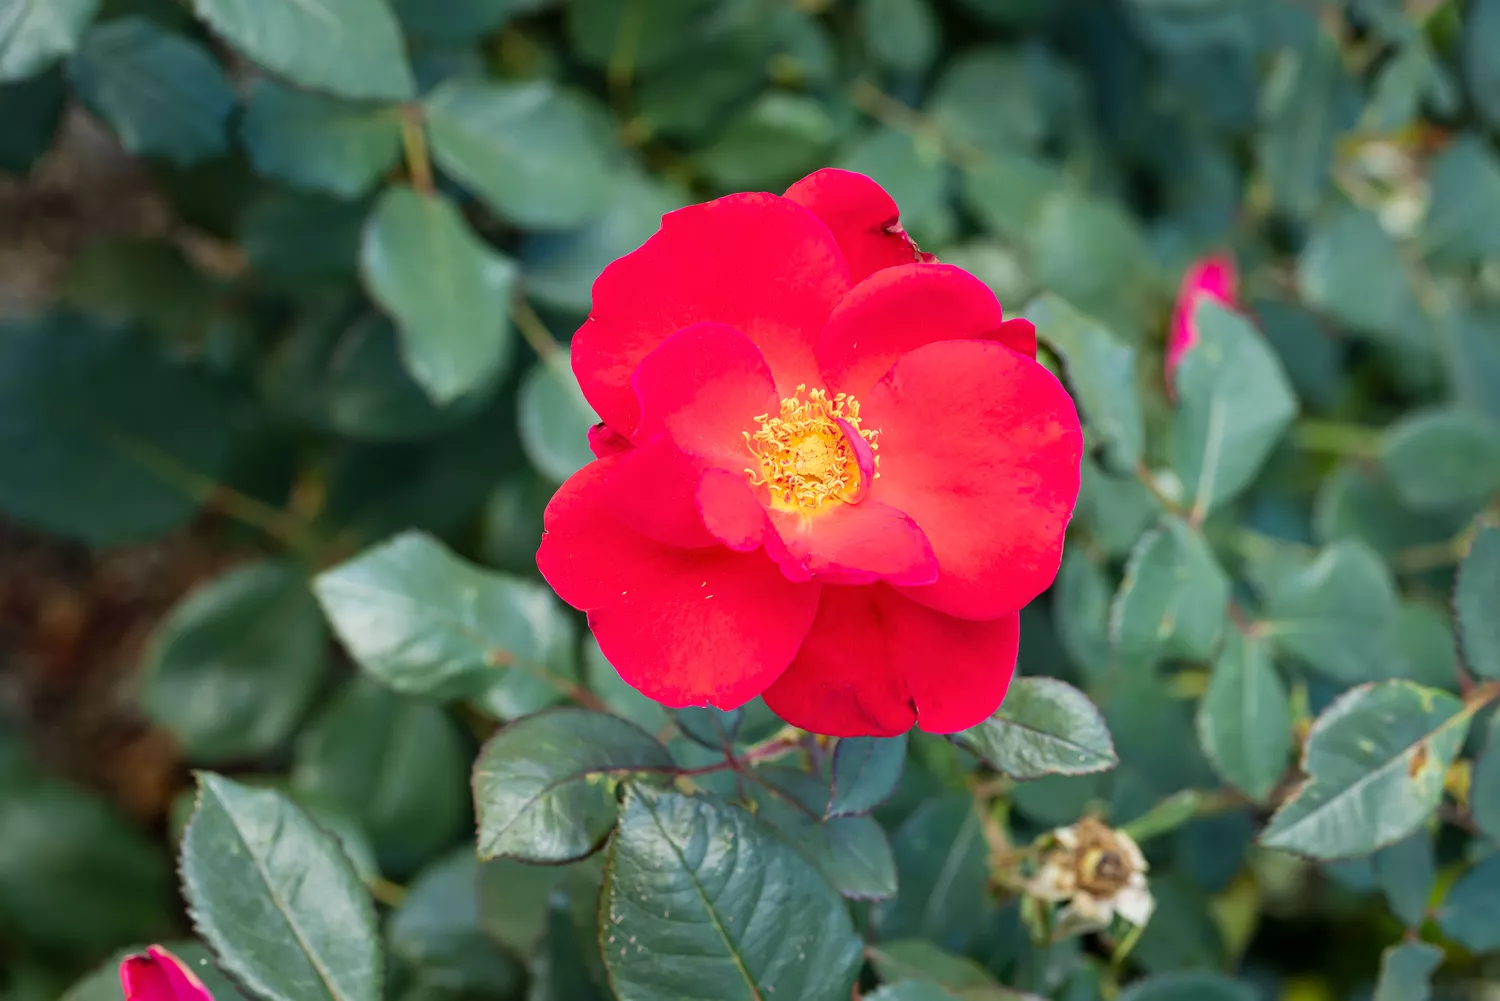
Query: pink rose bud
point(1213, 277)
point(160, 976)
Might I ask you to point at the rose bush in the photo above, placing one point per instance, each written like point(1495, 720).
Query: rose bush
point(539, 499)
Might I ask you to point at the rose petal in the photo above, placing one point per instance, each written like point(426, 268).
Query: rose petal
point(898, 310)
point(160, 976)
point(876, 662)
point(856, 544)
point(863, 217)
point(757, 262)
point(982, 447)
point(682, 626)
point(605, 441)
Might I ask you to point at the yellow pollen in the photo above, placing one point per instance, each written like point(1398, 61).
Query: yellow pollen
point(805, 455)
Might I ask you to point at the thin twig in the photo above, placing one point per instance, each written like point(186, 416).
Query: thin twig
point(414, 142)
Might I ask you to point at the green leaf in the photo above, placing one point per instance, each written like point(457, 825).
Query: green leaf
point(910, 990)
point(319, 143)
point(554, 419)
point(538, 156)
point(1173, 599)
point(915, 960)
point(560, 268)
point(32, 109)
point(1481, 57)
point(941, 870)
point(1444, 459)
point(1336, 614)
point(866, 771)
point(234, 666)
point(1101, 372)
point(1080, 612)
point(1234, 404)
point(448, 292)
point(35, 33)
point(1375, 762)
point(1407, 871)
point(437, 931)
point(1044, 727)
point(739, 914)
point(1406, 972)
point(276, 899)
point(102, 438)
point(1470, 914)
point(1308, 100)
point(1476, 597)
point(543, 785)
point(75, 878)
point(1463, 220)
point(776, 140)
point(395, 764)
point(1351, 269)
point(352, 48)
point(902, 35)
point(1484, 786)
point(852, 853)
point(1245, 718)
point(1092, 253)
point(514, 897)
point(297, 241)
point(1190, 985)
point(458, 21)
point(162, 94)
point(425, 622)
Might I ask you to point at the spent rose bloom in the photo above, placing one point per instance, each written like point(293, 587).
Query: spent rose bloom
point(1098, 873)
point(1213, 277)
point(160, 976)
point(828, 470)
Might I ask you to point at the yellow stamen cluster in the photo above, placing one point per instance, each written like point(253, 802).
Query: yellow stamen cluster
point(805, 456)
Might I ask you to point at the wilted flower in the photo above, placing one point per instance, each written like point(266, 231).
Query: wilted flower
point(1214, 278)
point(1098, 873)
point(160, 976)
point(829, 470)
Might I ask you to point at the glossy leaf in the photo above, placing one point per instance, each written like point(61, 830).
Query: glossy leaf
point(1375, 762)
point(1336, 614)
point(536, 155)
point(554, 420)
point(1470, 914)
point(438, 932)
point(425, 622)
point(543, 786)
point(852, 853)
point(1407, 871)
point(1406, 972)
point(233, 668)
point(276, 899)
point(1173, 599)
point(1044, 727)
point(317, 142)
point(866, 771)
point(1100, 370)
point(1484, 785)
point(351, 48)
point(35, 33)
point(447, 291)
point(162, 94)
point(940, 868)
point(1188, 986)
point(1245, 718)
point(1442, 459)
point(1234, 404)
point(916, 960)
point(717, 909)
point(102, 438)
point(1475, 599)
point(1480, 63)
point(395, 765)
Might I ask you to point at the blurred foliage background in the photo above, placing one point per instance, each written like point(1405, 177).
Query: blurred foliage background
point(282, 281)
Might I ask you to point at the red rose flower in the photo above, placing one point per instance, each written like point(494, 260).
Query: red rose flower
point(160, 976)
point(829, 472)
point(1212, 277)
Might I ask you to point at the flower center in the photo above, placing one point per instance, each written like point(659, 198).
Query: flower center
point(813, 452)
